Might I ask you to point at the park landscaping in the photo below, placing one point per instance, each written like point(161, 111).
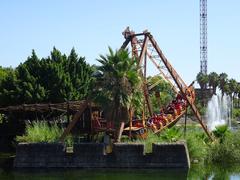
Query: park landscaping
point(114, 92)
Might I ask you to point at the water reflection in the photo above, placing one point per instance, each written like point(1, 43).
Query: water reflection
point(95, 174)
point(221, 172)
point(218, 172)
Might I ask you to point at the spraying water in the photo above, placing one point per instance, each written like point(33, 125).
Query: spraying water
point(218, 111)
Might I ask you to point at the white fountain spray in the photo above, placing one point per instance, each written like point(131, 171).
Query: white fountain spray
point(218, 111)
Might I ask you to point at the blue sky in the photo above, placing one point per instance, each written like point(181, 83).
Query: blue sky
point(92, 25)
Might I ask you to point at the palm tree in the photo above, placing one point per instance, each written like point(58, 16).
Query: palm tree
point(213, 81)
point(118, 83)
point(222, 81)
point(202, 80)
point(238, 94)
point(233, 88)
point(227, 89)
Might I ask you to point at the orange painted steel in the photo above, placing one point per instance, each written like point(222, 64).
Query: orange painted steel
point(174, 78)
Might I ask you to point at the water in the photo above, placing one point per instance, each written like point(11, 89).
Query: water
point(218, 111)
point(94, 174)
point(195, 173)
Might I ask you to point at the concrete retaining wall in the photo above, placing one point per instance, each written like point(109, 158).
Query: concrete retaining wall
point(92, 155)
point(170, 155)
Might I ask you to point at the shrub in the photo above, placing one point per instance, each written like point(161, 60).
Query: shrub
point(152, 138)
point(171, 135)
point(69, 141)
point(227, 150)
point(236, 113)
point(40, 131)
point(167, 135)
point(220, 132)
point(197, 145)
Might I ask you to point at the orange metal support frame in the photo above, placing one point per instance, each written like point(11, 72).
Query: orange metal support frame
point(145, 45)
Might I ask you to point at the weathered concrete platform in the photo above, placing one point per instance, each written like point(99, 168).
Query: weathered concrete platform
point(92, 155)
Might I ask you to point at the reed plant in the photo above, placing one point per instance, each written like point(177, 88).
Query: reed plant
point(40, 131)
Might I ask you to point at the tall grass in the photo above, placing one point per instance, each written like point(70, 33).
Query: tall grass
point(40, 131)
point(197, 145)
point(225, 150)
point(168, 135)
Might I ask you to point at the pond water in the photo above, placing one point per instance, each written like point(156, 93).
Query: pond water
point(94, 174)
point(196, 172)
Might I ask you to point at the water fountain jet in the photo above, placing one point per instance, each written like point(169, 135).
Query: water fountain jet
point(218, 111)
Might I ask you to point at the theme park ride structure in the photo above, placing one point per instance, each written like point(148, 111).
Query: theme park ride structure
point(144, 49)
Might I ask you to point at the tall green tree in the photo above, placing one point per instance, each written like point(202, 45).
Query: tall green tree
point(118, 82)
point(9, 90)
point(238, 95)
point(80, 75)
point(213, 79)
point(202, 80)
point(26, 86)
point(56, 78)
point(4, 73)
point(233, 88)
point(223, 79)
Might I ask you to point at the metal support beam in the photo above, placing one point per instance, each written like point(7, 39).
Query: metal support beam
point(180, 83)
point(76, 117)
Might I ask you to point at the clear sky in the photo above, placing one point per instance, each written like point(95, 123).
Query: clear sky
point(92, 25)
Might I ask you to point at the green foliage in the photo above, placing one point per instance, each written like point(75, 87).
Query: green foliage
point(213, 81)
point(220, 132)
point(152, 138)
point(202, 109)
point(69, 141)
point(4, 73)
point(223, 79)
point(213, 171)
point(227, 86)
point(202, 80)
point(225, 151)
point(163, 88)
point(197, 144)
point(233, 84)
point(40, 131)
point(171, 135)
point(168, 135)
point(56, 78)
point(1, 118)
point(236, 113)
point(117, 85)
point(225, 148)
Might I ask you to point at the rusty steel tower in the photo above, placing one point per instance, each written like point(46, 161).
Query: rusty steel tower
point(203, 37)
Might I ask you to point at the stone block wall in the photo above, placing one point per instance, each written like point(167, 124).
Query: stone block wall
point(93, 155)
point(89, 155)
point(170, 155)
point(128, 155)
point(39, 154)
